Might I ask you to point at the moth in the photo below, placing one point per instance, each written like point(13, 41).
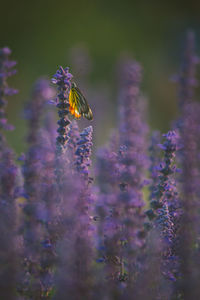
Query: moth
point(78, 104)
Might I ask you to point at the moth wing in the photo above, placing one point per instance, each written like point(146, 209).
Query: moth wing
point(89, 115)
point(74, 104)
point(84, 107)
point(82, 101)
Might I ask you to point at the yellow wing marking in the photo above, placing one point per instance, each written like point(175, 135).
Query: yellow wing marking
point(73, 104)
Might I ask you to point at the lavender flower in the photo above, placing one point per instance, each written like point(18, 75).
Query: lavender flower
point(62, 80)
point(133, 129)
point(74, 253)
point(47, 207)
point(33, 229)
point(34, 112)
point(132, 159)
point(165, 206)
point(121, 232)
point(8, 182)
point(107, 214)
point(72, 222)
point(188, 125)
point(75, 243)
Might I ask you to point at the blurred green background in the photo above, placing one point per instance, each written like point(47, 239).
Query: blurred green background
point(41, 32)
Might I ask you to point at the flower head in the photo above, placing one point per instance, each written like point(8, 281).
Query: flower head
point(62, 80)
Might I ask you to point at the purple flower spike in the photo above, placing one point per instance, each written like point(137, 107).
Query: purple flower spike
point(165, 205)
point(133, 159)
point(73, 218)
point(8, 181)
point(189, 129)
point(62, 80)
point(36, 179)
point(121, 177)
point(132, 126)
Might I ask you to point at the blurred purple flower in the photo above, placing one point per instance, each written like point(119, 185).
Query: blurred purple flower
point(121, 177)
point(35, 179)
point(166, 206)
point(8, 186)
point(133, 160)
point(189, 128)
point(74, 246)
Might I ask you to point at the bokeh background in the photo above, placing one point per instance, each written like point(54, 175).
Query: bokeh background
point(42, 33)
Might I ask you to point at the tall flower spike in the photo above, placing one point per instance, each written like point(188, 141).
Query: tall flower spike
point(109, 210)
point(62, 80)
point(33, 112)
point(33, 170)
point(188, 125)
point(120, 207)
point(74, 252)
point(8, 178)
point(5, 71)
point(132, 126)
point(133, 161)
point(46, 209)
point(165, 206)
point(75, 244)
